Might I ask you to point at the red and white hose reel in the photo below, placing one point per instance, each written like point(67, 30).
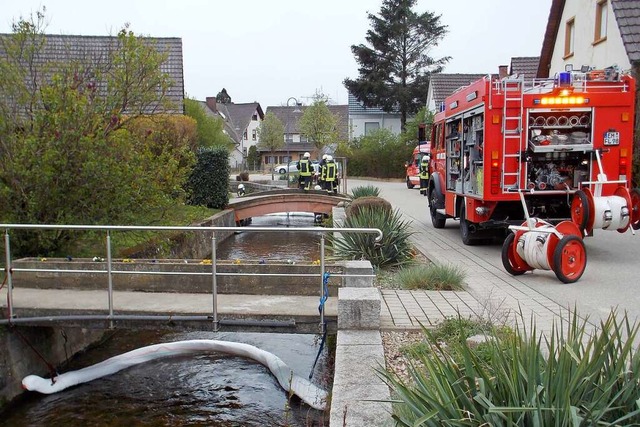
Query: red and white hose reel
point(537, 244)
point(592, 211)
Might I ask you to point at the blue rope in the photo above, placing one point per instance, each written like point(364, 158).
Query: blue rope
point(323, 299)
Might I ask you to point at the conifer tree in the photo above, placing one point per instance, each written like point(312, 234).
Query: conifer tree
point(395, 65)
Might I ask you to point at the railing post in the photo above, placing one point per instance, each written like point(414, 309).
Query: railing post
point(7, 254)
point(322, 282)
point(110, 277)
point(214, 279)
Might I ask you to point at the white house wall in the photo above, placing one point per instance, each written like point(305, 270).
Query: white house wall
point(602, 55)
point(356, 123)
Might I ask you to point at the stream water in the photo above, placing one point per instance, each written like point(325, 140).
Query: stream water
point(199, 390)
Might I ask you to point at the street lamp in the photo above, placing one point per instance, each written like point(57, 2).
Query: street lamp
point(295, 110)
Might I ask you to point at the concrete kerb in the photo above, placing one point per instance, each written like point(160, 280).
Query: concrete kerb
point(359, 396)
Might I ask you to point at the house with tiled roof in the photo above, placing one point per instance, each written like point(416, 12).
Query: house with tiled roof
point(241, 122)
point(295, 143)
point(364, 120)
point(595, 33)
point(94, 51)
point(526, 66)
point(442, 85)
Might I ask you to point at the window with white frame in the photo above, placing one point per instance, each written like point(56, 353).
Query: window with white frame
point(370, 127)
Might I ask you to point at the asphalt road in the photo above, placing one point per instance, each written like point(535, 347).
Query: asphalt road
point(611, 278)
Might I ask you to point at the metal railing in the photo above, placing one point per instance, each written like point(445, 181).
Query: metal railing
point(110, 272)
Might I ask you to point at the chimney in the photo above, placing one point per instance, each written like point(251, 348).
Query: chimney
point(503, 71)
point(211, 103)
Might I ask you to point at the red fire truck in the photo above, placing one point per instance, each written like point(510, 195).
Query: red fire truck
point(550, 140)
point(412, 167)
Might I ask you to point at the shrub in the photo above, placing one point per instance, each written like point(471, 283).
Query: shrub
point(208, 184)
point(365, 191)
point(368, 202)
point(394, 249)
point(571, 377)
point(432, 277)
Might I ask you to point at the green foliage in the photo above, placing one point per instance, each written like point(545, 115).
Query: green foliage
point(395, 66)
point(365, 191)
point(209, 181)
point(271, 134)
point(572, 377)
point(319, 124)
point(70, 154)
point(410, 135)
point(380, 154)
point(432, 277)
point(253, 158)
point(394, 249)
point(210, 129)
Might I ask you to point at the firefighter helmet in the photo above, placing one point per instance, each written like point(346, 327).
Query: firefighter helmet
point(329, 158)
point(324, 156)
point(306, 155)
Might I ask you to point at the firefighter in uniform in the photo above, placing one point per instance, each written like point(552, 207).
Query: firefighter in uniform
point(424, 175)
point(306, 170)
point(323, 171)
point(331, 175)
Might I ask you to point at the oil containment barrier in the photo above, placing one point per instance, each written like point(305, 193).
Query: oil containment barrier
point(308, 392)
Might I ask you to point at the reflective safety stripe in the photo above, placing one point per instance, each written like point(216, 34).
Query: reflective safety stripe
point(331, 172)
point(305, 170)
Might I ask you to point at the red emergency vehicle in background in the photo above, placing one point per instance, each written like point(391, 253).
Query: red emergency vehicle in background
point(555, 141)
point(412, 167)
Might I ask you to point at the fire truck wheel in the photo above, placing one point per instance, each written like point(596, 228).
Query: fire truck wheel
point(510, 259)
point(466, 234)
point(635, 208)
point(580, 211)
point(569, 259)
point(409, 184)
point(435, 199)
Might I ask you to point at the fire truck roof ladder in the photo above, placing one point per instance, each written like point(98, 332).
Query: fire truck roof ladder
point(512, 110)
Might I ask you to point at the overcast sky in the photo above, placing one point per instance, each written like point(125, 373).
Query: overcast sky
point(269, 51)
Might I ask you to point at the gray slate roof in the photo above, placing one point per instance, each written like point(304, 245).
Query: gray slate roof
point(94, 50)
point(291, 119)
point(238, 117)
point(628, 17)
point(525, 65)
point(445, 84)
point(356, 107)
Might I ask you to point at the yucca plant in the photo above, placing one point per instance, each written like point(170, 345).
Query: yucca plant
point(395, 248)
point(365, 191)
point(573, 377)
point(432, 277)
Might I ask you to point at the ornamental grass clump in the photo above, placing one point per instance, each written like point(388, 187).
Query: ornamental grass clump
point(573, 376)
point(393, 250)
point(437, 277)
point(365, 191)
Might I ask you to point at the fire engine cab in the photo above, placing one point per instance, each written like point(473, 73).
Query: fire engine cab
point(555, 146)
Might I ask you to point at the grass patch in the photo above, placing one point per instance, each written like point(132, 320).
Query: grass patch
point(436, 277)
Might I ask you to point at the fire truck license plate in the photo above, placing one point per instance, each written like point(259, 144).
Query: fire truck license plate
point(612, 138)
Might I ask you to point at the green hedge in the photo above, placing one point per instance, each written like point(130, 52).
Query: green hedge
point(208, 184)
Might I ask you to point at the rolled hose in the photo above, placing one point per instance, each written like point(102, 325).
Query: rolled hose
point(289, 381)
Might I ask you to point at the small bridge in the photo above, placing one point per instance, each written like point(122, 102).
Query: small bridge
point(290, 200)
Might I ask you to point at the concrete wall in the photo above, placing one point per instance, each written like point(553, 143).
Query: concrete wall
point(185, 245)
point(18, 359)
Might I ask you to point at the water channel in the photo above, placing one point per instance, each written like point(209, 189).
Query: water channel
point(199, 390)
